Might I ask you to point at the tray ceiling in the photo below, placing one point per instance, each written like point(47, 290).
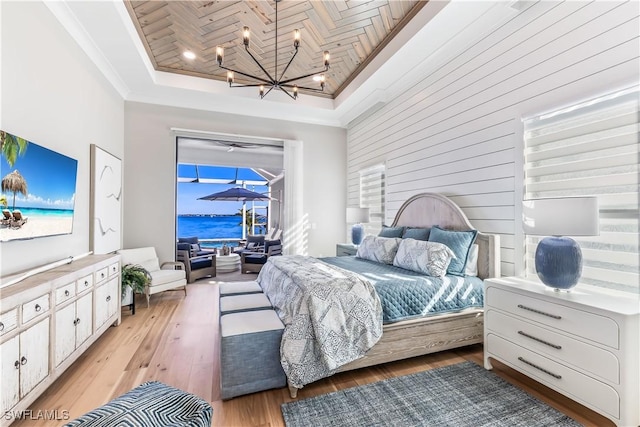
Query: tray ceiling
point(352, 31)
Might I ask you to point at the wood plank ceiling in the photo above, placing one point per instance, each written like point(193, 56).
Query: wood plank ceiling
point(353, 31)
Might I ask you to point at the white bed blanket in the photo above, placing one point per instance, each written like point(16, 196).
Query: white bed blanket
point(331, 316)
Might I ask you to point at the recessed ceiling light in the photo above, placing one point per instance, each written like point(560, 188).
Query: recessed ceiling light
point(189, 55)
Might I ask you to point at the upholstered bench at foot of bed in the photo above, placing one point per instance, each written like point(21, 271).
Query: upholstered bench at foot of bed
point(247, 302)
point(239, 288)
point(150, 404)
point(250, 353)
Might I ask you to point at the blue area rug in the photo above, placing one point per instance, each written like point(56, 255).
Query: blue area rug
point(459, 395)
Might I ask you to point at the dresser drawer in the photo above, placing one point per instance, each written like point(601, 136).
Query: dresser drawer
point(102, 274)
point(8, 321)
point(84, 283)
point(114, 269)
point(560, 377)
point(35, 308)
point(65, 293)
point(583, 324)
point(593, 359)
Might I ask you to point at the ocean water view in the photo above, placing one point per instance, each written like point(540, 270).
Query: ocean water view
point(223, 227)
point(47, 213)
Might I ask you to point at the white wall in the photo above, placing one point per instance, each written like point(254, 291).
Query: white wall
point(53, 95)
point(457, 131)
point(149, 172)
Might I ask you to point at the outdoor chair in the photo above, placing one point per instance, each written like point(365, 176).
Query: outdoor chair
point(7, 218)
point(252, 262)
point(196, 266)
point(254, 243)
point(18, 220)
point(195, 245)
point(164, 277)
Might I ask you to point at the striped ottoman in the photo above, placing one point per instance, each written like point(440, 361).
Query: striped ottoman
point(151, 404)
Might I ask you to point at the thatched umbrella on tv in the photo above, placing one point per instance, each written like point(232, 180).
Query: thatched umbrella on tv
point(15, 183)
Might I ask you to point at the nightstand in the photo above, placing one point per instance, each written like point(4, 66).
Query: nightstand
point(584, 344)
point(346, 249)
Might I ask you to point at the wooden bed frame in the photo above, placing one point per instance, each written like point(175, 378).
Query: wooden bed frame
point(417, 337)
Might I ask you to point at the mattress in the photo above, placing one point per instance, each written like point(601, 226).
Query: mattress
point(406, 294)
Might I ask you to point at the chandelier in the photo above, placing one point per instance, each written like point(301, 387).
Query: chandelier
point(275, 81)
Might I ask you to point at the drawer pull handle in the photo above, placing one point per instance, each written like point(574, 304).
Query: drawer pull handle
point(23, 360)
point(1, 326)
point(66, 293)
point(108, 298)
point(86, 283)
point(102, 275)
point(523, 360)
point(17, 364)
point(38, 308)
point(524, 307)
point(524, 334)
point(75, 322)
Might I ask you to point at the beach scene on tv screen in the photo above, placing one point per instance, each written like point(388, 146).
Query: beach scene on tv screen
point(38, 190)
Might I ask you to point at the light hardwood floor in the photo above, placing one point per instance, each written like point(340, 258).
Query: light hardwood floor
point(176, 341)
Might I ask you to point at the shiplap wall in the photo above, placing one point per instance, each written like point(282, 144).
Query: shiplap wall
point(458, 130)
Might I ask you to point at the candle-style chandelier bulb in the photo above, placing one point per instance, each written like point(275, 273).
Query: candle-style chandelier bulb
point(295, 91)
point(219, 55)
point(326, 58)
point(245, 35)
point(261, 91)
point(230, 77)
point(296, 38)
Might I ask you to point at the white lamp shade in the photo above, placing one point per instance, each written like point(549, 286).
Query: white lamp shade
point(570, 216)
point(357, 215)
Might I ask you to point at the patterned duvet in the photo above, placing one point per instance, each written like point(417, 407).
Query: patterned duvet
point(405, 294)
point(333, 309)
point(331, 316)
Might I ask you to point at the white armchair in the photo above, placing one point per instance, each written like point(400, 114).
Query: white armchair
point(164, 277)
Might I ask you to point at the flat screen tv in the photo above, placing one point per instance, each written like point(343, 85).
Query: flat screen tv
point(38, 190)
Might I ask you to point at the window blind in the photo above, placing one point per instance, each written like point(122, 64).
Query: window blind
point(592, 150)
point(372, 189)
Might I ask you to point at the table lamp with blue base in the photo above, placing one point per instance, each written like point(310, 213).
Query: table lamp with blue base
point(558, 259)
point(357, 216)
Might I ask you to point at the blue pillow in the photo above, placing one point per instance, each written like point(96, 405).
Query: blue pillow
point(416, 233)
point(459, 242)
point(391, 231)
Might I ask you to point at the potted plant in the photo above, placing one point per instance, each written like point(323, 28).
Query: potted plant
point(134, 279)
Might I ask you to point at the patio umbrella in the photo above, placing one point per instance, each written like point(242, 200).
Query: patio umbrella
point(15, 183)
point(236, 194)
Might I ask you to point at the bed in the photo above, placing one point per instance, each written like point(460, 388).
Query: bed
point(418, 334)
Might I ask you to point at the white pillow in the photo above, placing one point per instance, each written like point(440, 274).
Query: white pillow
point(430, 258)
point(471, 269)
point(378, 249)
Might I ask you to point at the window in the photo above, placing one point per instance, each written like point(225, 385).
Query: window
point(592, 150)
point(372, 197)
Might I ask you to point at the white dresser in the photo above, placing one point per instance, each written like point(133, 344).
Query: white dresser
point(584, 344)
point(48, 320)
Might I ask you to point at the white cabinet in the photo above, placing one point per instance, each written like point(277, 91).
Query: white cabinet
point(584, 343)
point(24, 363)
point(47, 322)
point(73, 327)
point(107, 297)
